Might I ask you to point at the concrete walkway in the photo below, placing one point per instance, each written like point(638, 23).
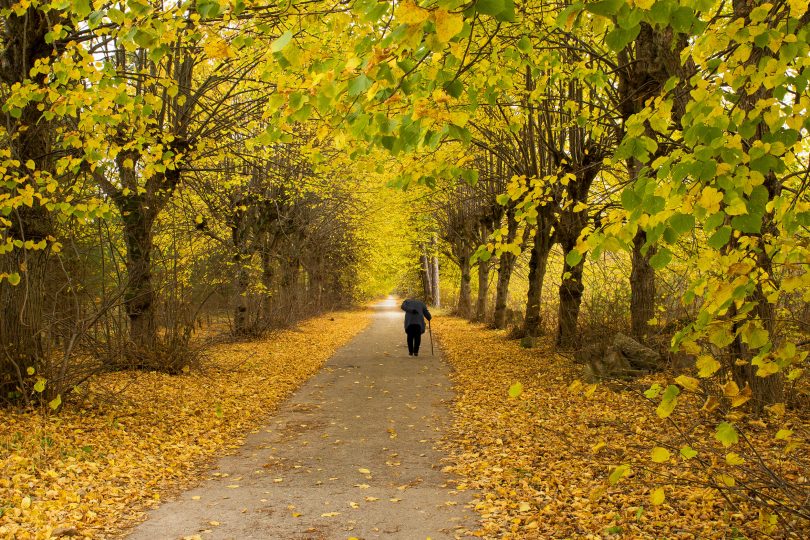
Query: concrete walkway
point(351, 454)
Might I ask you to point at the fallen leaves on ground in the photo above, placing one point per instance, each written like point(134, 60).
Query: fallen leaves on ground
point(134, 438)
point(552, 457)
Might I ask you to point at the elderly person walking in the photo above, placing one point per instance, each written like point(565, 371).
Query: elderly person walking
point(415, 314)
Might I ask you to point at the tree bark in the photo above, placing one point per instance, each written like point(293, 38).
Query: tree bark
point(483, 289)
point(464, 308)
point(537, 273)
point(139, 296)
point(437, 295)
point(30, 139)
point(506, 264)
point(642, 288)
point(425, 271)
point(571, 290)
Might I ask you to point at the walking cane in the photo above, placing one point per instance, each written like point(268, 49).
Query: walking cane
point(430, 331)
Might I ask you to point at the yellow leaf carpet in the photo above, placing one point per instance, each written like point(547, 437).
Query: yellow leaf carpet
point(132, 438)
point(541, 462)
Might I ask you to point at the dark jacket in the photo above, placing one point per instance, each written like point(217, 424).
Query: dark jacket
point(415, 313)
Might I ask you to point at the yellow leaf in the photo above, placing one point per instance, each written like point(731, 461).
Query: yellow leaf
point(30, 164)
point(742, 397)
point(55, 402)
point(660, 455)
point(706, 366)
point(797, 8)
point(364, 471)
point(330, 514)
point(689, 383)
point(777, 409)
point(410, 13)
point(657, 496)
point(783, 434)
point(448, 25)
point(726, 480)
point(711, 404)
point(25, 503)
point(732, 458)
point(710, 199)
point(730, 389)
point(598, 446)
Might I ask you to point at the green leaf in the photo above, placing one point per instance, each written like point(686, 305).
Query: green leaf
point(490, 7)
point(682, 223)
point(359, 84)
point(720, 238)
point(630, 200)
point(282, 41)
point(653, 391)
point(668, 401)
point(13, 279)
point(573, 258)
point(39, 386)
point(726, 434)
point(756, 337)
point(218, 411)
point(606, 8)
point(524, 45)
point(687, 452)
point(618, 473)
point(618, 38)
point(515, 390)
point(661, 259)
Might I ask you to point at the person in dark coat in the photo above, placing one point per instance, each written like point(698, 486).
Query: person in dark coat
point(415, 314)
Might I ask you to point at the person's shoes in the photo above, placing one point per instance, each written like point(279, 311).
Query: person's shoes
point(410, 354)
point(416, 354)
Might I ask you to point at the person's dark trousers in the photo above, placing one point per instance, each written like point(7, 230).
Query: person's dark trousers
point(414, 332)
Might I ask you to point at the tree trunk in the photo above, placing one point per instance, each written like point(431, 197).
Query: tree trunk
point(240, 310)
point(267, 284)
point(426, 273)
point(29, 138)
point(571, 290)
point(139, 295)
point(505, 267)
point(437, 296)
point(537, 273)
point(483, 289)
point(464, 308)
point(506, 264)
point(642, 288)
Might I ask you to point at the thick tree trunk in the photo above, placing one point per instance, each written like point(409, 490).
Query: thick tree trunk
point(240, 309)
point(30, 137)
point(139, 296)
point(483, 290)
point(464, 307)
point(537, 273)
point(506, 264)
point(505, 267)
point(571, 290)
point(642, 288)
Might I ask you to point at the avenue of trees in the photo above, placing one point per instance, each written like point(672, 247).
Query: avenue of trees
point(164, 164)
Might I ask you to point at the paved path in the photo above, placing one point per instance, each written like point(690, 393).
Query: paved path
point(351, 454)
